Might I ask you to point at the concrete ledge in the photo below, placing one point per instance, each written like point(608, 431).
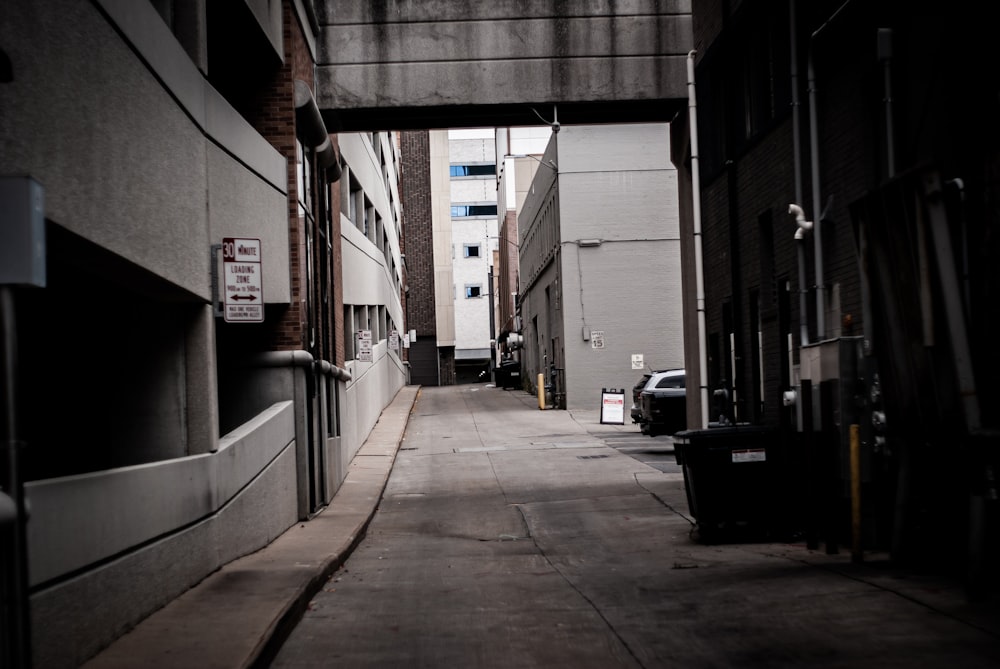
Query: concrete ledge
point(82, 519)
point(240, 615)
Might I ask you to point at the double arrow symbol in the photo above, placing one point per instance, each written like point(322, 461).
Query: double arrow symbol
point(243, 297)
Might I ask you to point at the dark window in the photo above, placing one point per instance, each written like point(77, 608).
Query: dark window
point(472, 250)
point(473, 291)
point(671, 382)
point(741, 98)
point(466, 210)
point(473, 170)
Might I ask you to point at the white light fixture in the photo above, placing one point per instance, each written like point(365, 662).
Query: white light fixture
point(589, 242)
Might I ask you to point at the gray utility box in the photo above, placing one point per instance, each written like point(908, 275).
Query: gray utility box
point(22, 232)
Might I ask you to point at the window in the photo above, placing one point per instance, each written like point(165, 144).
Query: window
point(671, 381)
point(471, 250)
point(369, 220)
point(473, 291)
point(356, 196)
point(349, 328)
point(466, 210)
point(474, 170)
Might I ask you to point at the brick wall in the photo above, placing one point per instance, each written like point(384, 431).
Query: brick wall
point(415, 197)
point(759, 182)
point(274, 119)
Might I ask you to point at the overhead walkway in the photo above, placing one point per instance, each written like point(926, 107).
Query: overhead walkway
point(396, 64)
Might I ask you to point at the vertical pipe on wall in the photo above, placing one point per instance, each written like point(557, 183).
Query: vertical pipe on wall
point(814, 174)
point(698, 264)
point(797, 166)
point(855, 466)
point(885, 55)
point(817, 214)
point(15, 614)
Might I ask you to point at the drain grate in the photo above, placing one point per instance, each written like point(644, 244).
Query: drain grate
point(592, 457)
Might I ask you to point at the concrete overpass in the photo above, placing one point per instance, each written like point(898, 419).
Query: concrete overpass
point(409, 64)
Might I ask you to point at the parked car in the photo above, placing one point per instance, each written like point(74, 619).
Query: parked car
point(648, 381)
point(640, 385)
point(663, 404)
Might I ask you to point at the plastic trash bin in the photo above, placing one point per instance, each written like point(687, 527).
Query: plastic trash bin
point(730, 477)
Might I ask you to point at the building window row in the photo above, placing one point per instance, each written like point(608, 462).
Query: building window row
point(473, 170)
point(473, 210)
point(358, 318)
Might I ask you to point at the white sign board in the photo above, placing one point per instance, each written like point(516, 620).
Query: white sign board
point(637, 362)
point(394, 340)
point(597, 339)
point(244, 290)
point(613, 406)
point(364, 338)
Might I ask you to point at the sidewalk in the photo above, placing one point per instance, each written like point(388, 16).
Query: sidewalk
point(239, 615)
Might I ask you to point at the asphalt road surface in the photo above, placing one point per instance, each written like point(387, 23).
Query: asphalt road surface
point(513, 537)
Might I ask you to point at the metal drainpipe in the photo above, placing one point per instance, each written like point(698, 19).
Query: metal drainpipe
point(803, 227)
point(15, 610)
point(698, 264)
point(885, 55)
point(814, 169)
point(797, 158)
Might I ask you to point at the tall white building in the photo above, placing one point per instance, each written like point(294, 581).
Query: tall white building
point(473, 198)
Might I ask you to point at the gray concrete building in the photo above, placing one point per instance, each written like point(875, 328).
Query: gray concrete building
point(189, 377)
point(600, 273)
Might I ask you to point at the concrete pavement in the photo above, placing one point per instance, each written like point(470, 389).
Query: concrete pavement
point(239, 616)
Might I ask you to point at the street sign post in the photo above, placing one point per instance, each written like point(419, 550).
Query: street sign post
point(244, 290)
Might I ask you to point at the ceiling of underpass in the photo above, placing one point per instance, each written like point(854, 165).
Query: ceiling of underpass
point(398, 64)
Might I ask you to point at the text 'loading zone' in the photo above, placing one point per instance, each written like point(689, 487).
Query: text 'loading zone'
point(241, 267)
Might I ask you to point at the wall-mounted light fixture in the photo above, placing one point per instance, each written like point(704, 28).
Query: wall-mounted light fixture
point(588, 242)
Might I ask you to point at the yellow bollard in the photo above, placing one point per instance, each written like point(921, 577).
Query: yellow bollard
point(541, 391)
point(856, 553)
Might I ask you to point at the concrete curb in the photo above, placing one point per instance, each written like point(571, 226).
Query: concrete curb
point(240, 615)
point(362, 489)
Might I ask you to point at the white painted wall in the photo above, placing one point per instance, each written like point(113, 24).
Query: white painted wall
point(444, 280)
point(472, 315)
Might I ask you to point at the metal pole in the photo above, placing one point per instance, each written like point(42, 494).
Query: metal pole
point(856, 554)
point(16, 636)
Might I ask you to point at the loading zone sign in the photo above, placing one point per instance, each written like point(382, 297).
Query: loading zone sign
point(244, 297)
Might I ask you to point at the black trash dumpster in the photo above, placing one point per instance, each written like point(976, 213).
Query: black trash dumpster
point(508, 374)
point(731, 479)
